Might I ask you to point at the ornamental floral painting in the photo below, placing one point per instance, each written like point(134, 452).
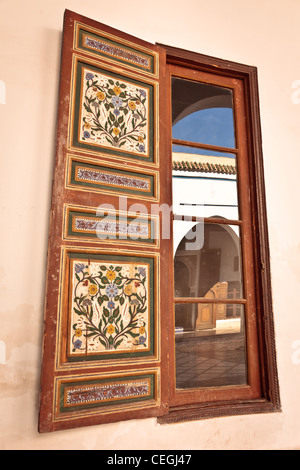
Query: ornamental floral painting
point(114, 113)
point(109, 307)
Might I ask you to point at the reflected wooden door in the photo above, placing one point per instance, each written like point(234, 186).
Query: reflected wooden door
point(209, 276)
point(206, 318)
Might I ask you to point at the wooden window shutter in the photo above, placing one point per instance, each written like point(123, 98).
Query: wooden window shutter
point(105, 295)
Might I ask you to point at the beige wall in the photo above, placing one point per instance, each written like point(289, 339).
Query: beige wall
point(264, 33)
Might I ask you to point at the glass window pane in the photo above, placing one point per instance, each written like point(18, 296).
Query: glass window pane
point(210, 345)
point(207, 261)
point(204, 183)
point(202, 113)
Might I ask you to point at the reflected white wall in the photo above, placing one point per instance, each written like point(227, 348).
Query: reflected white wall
point(202, 195)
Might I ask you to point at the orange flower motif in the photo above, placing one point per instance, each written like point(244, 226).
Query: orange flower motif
point(101, 95)
point(110, 329)
point(111, 275)
point(132, 105)
point(117, 90)
point(116, 131)
point(93, 289)
point(128, 289)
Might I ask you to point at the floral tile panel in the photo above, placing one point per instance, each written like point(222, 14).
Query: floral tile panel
point(111, 312)
point(113, 113)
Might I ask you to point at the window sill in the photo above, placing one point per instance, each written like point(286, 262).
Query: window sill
point(217, 410)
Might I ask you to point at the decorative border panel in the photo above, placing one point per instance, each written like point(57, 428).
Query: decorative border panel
point(102, 224)
point(106, 46)
point(108, 307)
point(99, 177)
point(113, 113)
point(89, 394)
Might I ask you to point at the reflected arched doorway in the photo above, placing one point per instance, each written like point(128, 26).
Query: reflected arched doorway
point(211, 270)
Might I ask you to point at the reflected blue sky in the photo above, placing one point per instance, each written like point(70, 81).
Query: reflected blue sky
point(213, 126)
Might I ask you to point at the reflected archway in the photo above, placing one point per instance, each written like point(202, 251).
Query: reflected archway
point(212, 270)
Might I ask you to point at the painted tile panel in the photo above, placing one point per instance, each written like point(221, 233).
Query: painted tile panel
point(108, 47)
point(88, 394)
point(92, 225)
point(87, 176)
point(111, 308)
point(113, 113)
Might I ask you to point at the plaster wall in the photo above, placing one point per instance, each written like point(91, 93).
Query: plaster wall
point(264, 33)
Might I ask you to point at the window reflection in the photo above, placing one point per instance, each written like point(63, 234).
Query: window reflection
point(210, 338)
point(204, 180)
point(202, 113)
point(205, 186)
point(207, 261)
point(212, 356)
point(209, 333)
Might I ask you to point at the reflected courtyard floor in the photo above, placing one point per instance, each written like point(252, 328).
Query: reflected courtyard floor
point(210, 359)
